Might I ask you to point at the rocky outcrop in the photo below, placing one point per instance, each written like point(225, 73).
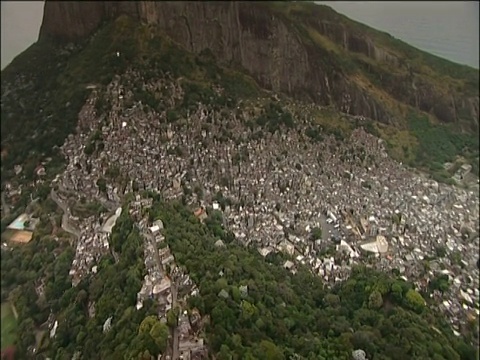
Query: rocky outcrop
point(261, 41)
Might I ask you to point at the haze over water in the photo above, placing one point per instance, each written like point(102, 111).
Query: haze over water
point(446, 29)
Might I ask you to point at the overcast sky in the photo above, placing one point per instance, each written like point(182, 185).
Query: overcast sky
point(21, 22)
point(448, 29)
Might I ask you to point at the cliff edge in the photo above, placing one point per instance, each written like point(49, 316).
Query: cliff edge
point(301, 49)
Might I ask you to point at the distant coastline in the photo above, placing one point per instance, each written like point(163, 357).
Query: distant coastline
point(446, 29)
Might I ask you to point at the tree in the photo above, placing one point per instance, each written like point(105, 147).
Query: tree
point(89, 149)
point(172, 116)
point(102, 185)
point(296, 311)
point(159, 334)
point(375, 300)
point(441, 251)
point(82, 297)
point(415, 301)
point(397, 292)
point(112, 171)
point(248, 310)
point(141, 343)
point(172, 318)
point(439, 283)
point(316, 233)
point(147, 324)
point(269, 351)
point(332, 300)
point(225, 353)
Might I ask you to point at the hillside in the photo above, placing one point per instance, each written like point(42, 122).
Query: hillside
point(281, 316)
point(228, 144)
point(299, 48)
point(302, 50)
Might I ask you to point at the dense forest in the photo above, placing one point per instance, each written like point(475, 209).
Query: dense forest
point(281, 316)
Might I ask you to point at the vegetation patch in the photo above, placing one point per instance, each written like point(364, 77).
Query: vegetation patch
point(273, 117)
point(439, 143)
point(285, 314)
point(87, 209)
point(9, 324)
point(280, 314)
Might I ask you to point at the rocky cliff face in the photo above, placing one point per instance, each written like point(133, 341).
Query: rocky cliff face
point(272, 48)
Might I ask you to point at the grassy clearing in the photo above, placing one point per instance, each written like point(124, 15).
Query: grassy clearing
point(401, 144)
point(330, 120)
point(324, 41)
point(9, 324)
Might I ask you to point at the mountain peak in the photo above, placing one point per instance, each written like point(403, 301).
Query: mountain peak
point(302, 49)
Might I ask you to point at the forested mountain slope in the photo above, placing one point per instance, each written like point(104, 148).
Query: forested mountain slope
point(297, 75)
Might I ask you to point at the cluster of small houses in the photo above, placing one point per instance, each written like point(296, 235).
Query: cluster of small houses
point(163, 282)
point(273, 190)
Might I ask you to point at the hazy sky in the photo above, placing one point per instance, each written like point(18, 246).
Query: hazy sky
point(447, 29)
point(21, 22)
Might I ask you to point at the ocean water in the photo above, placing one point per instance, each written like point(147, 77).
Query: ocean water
point(447, 29)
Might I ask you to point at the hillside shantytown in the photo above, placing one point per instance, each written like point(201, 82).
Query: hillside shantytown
point(166, 206)
point(272, 191)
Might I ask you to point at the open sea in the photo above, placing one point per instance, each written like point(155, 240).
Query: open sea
point(447, 29)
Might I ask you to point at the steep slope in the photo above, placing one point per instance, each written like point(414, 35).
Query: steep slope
point(302, 49)
point(282, 315)
point(40, 103)
point(190, 127)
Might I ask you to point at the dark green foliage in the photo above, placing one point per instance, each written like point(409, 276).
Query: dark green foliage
point(94, 143)
point(38, 108)
point(48, 108)
point(316, 233)
point(370, 310)
point(281, 314)
point(370, 128)
point(273, 118)
point(22, 269)
point(102, 105)
point(440, 143)
point(88, 209)
point(113, 172)
point(439, 283)
point(102, 185)
point(172, 116)
point(195, 93)
point(237, 85)
point(146, 98)
point(441, 251)
point(167, 57)
point(314, 133)
point(123, 225)
point(114, 290)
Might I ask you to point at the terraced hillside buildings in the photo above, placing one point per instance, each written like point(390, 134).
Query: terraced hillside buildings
point(273, 190)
